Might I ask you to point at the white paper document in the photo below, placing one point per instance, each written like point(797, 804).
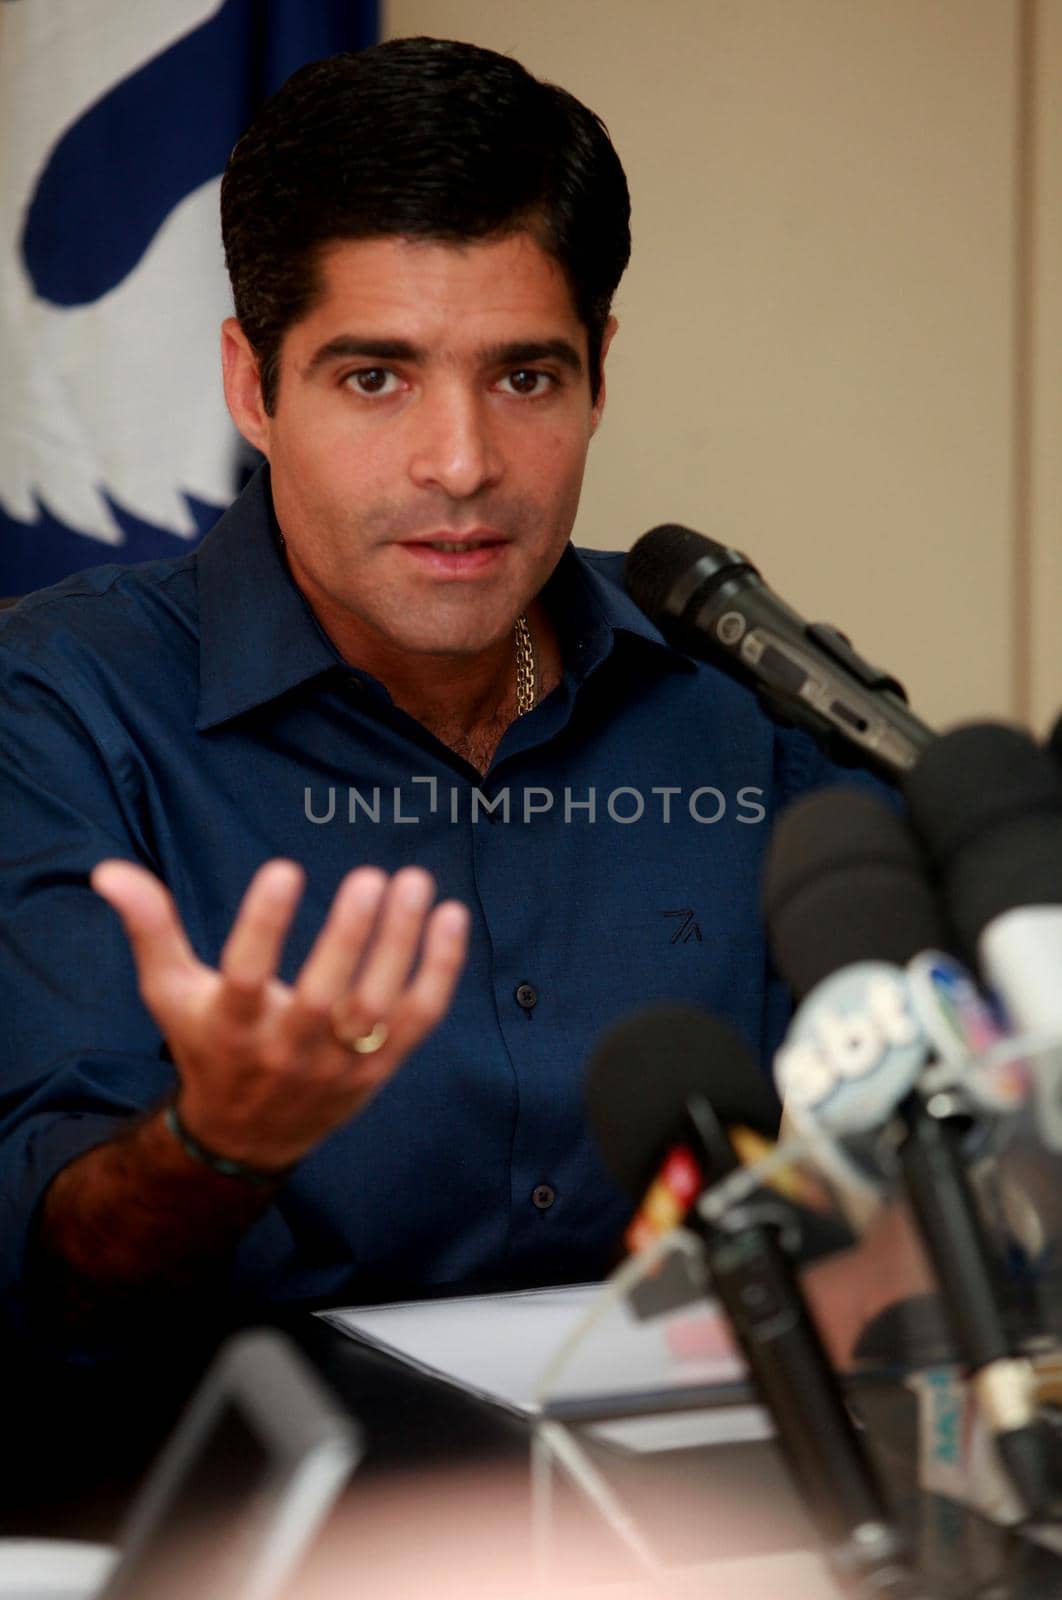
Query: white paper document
point(498, 1347)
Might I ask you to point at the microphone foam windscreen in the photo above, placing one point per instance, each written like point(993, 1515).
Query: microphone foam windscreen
point(1024, 868)
point(845, 882)
point(987, 802)
point(1054, 742)
point(644, 1069)
point(975, 780)
point(656, 562)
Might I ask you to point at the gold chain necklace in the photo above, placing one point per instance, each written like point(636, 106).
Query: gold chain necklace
point(526, 667)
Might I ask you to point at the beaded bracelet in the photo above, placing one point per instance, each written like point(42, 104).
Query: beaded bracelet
point(223, 1164)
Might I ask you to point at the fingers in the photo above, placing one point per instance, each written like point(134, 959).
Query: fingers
point(427, 999)
point(374, 930)
point(363, 968)
point(391, 954)
point(337, 950)
point(383, 990)
point(251, 953)
point(158, 940)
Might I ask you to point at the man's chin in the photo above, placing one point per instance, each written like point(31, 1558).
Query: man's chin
point(479, 631)
point(456, 646)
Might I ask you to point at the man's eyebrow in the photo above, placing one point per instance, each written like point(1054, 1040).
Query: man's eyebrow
point(515, 353)
point(347, 346)
point(524, 352)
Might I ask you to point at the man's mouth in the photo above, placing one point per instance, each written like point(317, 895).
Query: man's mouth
point(471, 556)
point(458, 546)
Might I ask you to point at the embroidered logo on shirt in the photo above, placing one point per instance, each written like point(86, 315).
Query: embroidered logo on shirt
point(688, 926)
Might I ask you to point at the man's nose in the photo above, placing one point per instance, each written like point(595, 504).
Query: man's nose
point(455, 448)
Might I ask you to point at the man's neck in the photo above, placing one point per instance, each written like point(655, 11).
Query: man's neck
point(466, 701)
point(469, 702)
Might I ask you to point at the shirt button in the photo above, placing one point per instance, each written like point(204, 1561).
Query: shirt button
point(542, 1196)
point(527, 997)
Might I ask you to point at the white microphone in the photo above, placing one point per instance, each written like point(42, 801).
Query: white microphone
point(1020, 954)
point(854, 1050)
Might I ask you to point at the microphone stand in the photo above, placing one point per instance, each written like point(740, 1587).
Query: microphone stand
point(756, 1283)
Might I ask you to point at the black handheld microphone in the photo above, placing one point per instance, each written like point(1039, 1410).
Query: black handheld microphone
point(676, 1076)
point(847, 901)
point(711, 602)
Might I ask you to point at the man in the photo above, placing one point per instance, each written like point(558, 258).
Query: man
point(385, 671)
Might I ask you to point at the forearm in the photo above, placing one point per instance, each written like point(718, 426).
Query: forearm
point(133, 1220)
point(847, 1291)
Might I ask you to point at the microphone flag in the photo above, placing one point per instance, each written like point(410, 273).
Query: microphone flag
point(115, 126)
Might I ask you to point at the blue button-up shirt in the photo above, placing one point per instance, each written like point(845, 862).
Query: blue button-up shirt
point(192, 715)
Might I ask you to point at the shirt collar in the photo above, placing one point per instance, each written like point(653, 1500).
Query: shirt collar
point(589, 609)
point(258, 637)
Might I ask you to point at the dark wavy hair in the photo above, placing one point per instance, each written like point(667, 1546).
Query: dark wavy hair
point(420, 138)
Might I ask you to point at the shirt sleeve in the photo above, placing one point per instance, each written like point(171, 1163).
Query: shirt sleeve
point(801, 765)
point(79, 1053)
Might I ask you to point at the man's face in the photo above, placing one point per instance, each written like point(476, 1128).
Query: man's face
point(435, 396)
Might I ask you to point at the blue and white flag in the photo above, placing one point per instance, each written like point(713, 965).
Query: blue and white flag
point(116, 120)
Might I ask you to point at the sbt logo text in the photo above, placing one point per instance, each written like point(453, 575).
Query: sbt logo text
point(854, 1048)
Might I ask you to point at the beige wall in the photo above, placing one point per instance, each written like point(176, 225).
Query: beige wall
point(1044, 461)
point(826, 330)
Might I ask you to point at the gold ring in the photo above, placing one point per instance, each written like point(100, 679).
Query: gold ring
point(363, 1044)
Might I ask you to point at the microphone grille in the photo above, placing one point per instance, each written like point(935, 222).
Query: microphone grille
point(1054, 741)
point(987, 801)
point(845, 882)
point(975, 780)
point(657, 560)
point(644, 1069)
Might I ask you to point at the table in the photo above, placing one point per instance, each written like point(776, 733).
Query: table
point(444, 1493)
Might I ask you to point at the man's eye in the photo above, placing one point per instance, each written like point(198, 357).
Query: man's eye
point(527, 381)
point(372, 380)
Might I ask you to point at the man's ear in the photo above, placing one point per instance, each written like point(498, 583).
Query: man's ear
point(599, 404)
point(243, 385)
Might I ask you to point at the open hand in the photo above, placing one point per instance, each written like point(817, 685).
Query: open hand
point(267, 1069)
